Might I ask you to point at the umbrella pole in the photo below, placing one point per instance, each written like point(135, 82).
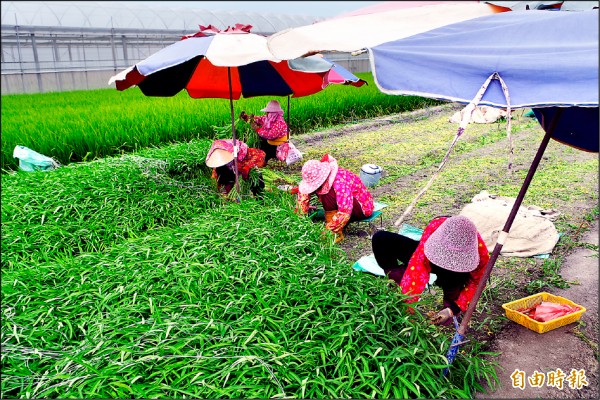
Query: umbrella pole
point(235, 161)
point(288, 119)
point(459, 335)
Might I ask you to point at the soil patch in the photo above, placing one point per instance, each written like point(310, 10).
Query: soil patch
point(573, 349)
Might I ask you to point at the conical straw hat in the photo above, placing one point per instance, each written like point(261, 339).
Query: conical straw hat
point(218, 158)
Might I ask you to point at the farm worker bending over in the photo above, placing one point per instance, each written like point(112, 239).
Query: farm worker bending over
point(220, 159)
point(272, 131)
point(343, 195)
point(451, 248)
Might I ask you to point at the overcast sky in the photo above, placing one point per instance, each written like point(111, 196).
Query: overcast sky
point(311, 8)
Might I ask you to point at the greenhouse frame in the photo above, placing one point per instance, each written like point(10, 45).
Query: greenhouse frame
point(60, 46)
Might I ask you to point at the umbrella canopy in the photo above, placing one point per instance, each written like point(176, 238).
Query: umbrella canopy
point(546, 59)
point(546, 5)
point(229, 64)
point(374, 25)
point(204, 63)
point(539, 59)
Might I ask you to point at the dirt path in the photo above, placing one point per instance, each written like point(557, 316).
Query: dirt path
point(569, 348)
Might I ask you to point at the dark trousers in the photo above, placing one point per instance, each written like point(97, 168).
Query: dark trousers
point(329, 202)
point(393, 252)
point(269, 149)
point(226, 177)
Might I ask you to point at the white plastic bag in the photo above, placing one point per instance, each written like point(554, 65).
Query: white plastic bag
point(293, 155)
point(31, 161)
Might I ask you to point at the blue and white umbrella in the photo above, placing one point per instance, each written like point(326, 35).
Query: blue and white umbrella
point(543, 60)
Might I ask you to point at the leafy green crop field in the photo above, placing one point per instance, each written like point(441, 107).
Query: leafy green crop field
point(129, 277)
point(84, 125)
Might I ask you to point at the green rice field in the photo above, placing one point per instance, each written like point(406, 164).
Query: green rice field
point(84, 125)
point(129, 277)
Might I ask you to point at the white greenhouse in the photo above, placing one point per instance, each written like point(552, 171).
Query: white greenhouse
point(73, 45)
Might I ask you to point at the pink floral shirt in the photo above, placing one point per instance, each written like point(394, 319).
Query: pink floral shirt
point(278, 128)
point(347, 187)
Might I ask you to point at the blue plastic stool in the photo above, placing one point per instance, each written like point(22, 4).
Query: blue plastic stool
point(377, 207)
point(371, 218)
point(377, 213)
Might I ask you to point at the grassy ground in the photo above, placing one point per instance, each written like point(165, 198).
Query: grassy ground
point(130, 277)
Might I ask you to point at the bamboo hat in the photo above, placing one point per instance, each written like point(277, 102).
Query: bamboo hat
point(218, 158)
point(314, 174)
point(272, 106)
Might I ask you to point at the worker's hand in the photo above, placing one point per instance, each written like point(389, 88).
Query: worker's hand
point(441, 317)
point(244, 116)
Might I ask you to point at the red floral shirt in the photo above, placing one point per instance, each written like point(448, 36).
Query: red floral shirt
point(417, 272)
point(254, 158)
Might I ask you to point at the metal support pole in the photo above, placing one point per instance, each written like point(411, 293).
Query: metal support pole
point(20, 54)
point(5, 80)
point(288, 118)
point(85, 72)
point(235, 162)
point(113, 49)
point(124, 45)
point(36, 59)
point(56, 56)
point(71, 63)
point(461, 330)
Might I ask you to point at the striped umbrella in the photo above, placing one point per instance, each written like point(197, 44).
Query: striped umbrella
point(229, 64)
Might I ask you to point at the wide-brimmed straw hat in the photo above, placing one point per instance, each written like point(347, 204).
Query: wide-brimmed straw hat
point(218, 158)
point(334, 170)
point(272, 106)
point(314, 174)
point(454, 246)
point(277, 141)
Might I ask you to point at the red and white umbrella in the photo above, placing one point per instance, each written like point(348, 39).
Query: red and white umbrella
point(229, 64)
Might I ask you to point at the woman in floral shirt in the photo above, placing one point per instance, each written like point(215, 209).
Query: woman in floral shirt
point(272, 130)
point(220, 158)
point(343, 195)
point(451, 248)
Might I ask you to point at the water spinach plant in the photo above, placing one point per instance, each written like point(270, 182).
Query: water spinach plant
point(131, 277)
